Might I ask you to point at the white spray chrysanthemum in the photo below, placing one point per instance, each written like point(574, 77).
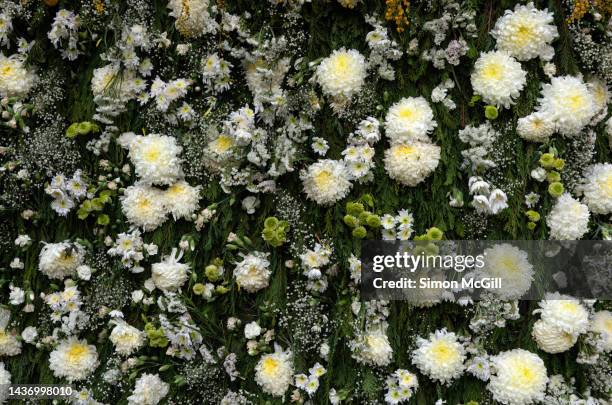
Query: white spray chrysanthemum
point(274, 371)
point(326, 181)
point(253, 272)
point(156, 158)
point(512, 266)
point(170, 274)
point(60, 260)
point(181, 199)
point(520, 377)
point(149, 390)
point(342, 73)
point(602, 324)
point(564, 312)
point(126, 338)
point(144, 206)
point(568, 103)
point(409, 119)
point(498, 78)
point(73, 359)
point(15, 79)
point(536, 127)
point(441, 357)
point(411, 163)
point(569, 219)
point(597, 188)
point(551, 339)
point(373, 348)
point(526, 33)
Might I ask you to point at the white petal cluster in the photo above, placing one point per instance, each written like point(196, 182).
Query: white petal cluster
point(551, 339)
point(602, 324)
point(274, 372)
point(149, 390)
point(5, 380)
point(144, 206)
point(73, 359)
point(193, 18)
point(441, 357)
point(181, 199)
point(59, 260)
point(520, 378)
point(526, 33)
point(342, 73)
point(597, 188)
point(564, 312)
point(156, 158)
point(326, 181)
point(536, 127)
point(411, 163)
point(111, 82)
point(9, 344)
point(567, 102)
point(511, 264)
point(15, 79)
point(373, 348)
point(253, 272)
point(409, 119)
point(170, 274)
point(498, 78)
point(569, 219)
point(126, 338)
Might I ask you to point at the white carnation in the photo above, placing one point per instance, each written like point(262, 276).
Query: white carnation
point(411, 163)
point(512, 266)
point(551, 339)
point(326, 181)
point(15, 79)
point(126, 338)
point(156, 159)
point(342, 73)
point(526, 33)
point(564, 312)
point(274, 372)
point(602, 324)
point(597, 188)
point(441, 357)
point(59, 260)
point(73, 359)
point(498, 78)
point(569, 219)
point(149, 390)
point(170, 274)
point(520, 378)
point(181, 199)
point(144, 206)
point(253, 273)
point(409, 119)
point(536, 127)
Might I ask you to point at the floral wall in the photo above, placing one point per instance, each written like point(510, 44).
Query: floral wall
point(185, 186)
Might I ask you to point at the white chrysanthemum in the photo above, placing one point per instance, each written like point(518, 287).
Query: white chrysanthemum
point(73, 359)
point(520, 378)
point(342, 73)
point(192, 17)
point(410, 164)
point(181, 199)
point(126, 338)
point(511, 264)
point(440, 357)
point(568, 103)
point(564, 312)
point(5, 380)
point(373, 348)
point(597, 188)
point(149, 390)
point(143, 206)
point(498, 78)
point(9, 344)
point(599, 90)
point(526, 33)
point(110, 81)
point(15, 79)
point(59, 260)
point(408, 120)
point(253, 272)
point(326, 181)
point(221, 144)
point(274, 372)
point(170, 274)
point(536, 127)
point(552, 339)
point(156, 158)
point(602, 323)
point(569, 219)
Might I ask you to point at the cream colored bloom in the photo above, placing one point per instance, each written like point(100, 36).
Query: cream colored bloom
point(15, 79)
point(520, 378)
point(597, 188)
point(552, 339)
point(274, 372)
point(342, 73)
point(411, 163)
point(498, 78)
point(326, 181)
point(408, 120)
point(441, 357)
point(602, 324)
point(73, 359)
